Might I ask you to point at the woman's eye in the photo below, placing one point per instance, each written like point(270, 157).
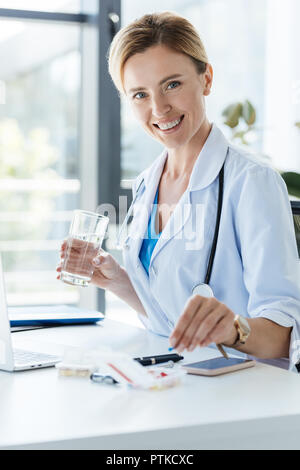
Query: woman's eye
point(140, 95)
point(173, 85)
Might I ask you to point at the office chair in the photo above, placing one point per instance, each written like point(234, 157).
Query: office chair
point(296, 216)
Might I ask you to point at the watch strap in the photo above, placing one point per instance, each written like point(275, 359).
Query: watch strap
point(241, 338)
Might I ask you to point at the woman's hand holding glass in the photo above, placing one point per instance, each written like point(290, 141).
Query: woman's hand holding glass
point(203, 321)
point(106, 270)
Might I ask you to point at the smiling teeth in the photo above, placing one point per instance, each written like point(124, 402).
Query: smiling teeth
point(169, 125)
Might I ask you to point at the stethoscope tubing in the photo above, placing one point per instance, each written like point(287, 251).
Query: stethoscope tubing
point(217, 227)
point(204, 289)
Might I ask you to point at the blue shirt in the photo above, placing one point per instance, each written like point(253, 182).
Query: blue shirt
point(151, 239)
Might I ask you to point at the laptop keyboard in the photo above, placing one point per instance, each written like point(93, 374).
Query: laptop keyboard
point(28, 357)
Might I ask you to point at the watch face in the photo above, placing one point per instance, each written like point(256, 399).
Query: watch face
point(244, 325)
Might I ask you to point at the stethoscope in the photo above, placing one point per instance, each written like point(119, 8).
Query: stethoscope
point(202, 288)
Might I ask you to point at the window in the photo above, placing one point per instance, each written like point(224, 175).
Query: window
point(38, 147)
point(41, 142)
point(68, 6)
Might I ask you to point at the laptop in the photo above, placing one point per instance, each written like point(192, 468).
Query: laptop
point(53, 315)
point(15, 359)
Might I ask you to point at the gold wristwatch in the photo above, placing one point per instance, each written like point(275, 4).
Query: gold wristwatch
point(243, 330)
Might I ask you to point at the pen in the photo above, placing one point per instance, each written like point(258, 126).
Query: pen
point(151, 360)
point(220, 348)
point(222, 351)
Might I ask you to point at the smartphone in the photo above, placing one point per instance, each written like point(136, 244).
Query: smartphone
point(218, 366)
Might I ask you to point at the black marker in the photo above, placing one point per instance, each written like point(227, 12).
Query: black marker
point(151, 360)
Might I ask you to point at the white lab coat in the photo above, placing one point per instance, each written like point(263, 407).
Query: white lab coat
point(256, 267)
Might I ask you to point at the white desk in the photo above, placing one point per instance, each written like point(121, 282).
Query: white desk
point(256, 408)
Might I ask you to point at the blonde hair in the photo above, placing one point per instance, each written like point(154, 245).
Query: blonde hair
point(164, 28)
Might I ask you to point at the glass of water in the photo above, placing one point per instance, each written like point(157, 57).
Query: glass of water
point(84, 243)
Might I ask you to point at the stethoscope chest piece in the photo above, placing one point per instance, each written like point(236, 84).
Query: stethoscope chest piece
point(203, 289)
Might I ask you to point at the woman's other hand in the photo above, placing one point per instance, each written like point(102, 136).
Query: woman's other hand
point(203, 321)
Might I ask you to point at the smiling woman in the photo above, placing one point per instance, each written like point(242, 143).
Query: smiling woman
point(202, 212)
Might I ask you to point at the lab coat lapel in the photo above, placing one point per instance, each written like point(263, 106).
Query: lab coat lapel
point(175, 223)
point(143, 207)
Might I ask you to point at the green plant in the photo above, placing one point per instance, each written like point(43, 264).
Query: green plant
point(240, 118)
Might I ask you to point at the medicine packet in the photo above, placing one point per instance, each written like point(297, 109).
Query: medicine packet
point(120, 367)
point(129, 372)
point(79, 362)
